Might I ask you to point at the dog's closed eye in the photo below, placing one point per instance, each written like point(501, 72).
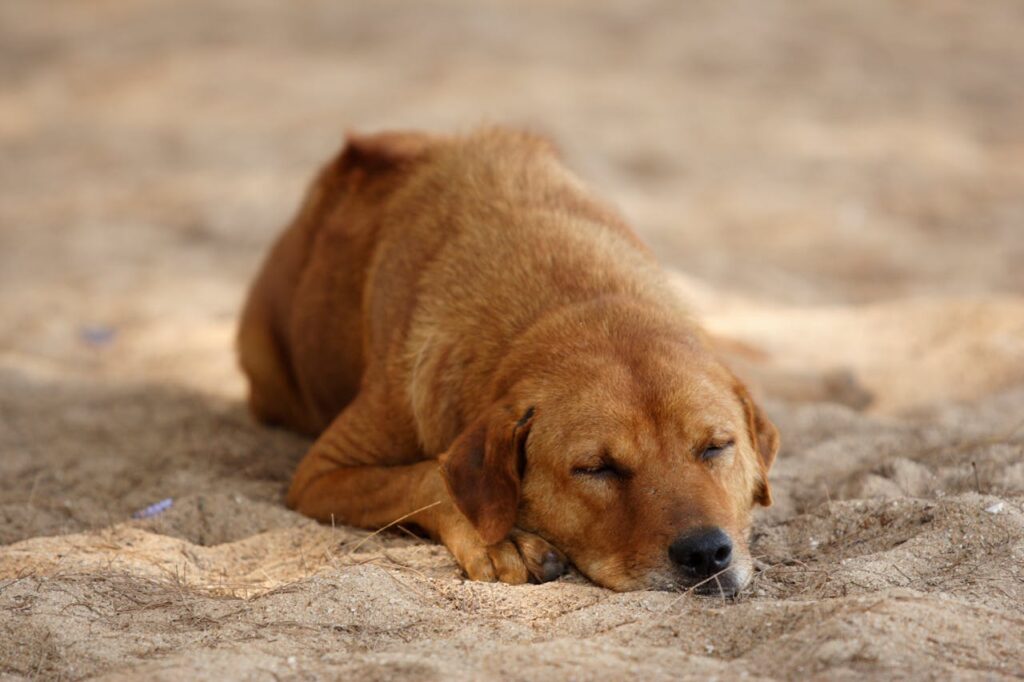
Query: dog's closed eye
point(603, 468)
point(713, 450)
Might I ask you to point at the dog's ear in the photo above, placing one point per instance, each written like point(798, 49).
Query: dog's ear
point(483, 470)
point(765, 439)
point(382, 152)
point(367, 166)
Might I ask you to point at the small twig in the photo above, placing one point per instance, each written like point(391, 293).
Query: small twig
point(35, 485)
point(900, 570)
point(396, 521)
point(689, 590)
point(409, 533)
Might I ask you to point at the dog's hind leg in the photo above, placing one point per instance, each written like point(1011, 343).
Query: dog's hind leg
point(264, 351)
point(273, 396)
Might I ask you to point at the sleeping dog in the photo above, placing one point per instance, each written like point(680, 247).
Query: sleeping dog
point(484, 350)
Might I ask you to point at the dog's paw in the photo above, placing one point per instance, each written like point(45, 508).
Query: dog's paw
point(518, 559)
point(543, 562)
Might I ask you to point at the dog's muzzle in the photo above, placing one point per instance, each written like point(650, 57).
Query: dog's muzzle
point(703, 558)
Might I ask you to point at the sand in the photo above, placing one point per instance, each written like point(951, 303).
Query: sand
point(839, 186)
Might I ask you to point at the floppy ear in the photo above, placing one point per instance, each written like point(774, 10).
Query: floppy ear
point(363, 158)
point(383, 151)
point(483, 470)
point(766, 442)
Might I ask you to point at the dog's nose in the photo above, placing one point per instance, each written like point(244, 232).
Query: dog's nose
point(703, 552)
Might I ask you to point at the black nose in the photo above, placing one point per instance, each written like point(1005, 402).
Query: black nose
point(703, 552)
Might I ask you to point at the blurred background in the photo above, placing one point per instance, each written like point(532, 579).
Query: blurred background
point(807, 155)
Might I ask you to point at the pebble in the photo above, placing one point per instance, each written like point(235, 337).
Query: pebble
point(995, 508)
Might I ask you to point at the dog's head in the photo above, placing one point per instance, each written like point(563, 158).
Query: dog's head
point(641, 459)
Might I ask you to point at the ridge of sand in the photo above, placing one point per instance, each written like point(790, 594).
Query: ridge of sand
point(880, 554)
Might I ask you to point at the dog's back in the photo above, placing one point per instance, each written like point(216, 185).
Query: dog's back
point(490, 234)
point(407, 236)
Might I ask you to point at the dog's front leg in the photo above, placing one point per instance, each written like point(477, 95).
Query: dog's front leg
point(340, 480)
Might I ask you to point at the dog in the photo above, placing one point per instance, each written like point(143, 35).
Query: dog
point(485, 351)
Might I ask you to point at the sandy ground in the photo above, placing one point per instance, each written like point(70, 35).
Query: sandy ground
point(840, 186)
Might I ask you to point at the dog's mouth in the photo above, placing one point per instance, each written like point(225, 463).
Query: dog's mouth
point(669, 577)
point(726, 583)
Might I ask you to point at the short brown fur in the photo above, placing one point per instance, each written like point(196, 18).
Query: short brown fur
point(470, 334)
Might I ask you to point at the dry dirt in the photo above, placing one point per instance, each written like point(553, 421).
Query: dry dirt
point(842, 184)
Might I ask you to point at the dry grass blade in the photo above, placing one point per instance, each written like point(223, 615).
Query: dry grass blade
point(393, 523)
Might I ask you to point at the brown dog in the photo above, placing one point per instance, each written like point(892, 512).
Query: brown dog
point(486, 351)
